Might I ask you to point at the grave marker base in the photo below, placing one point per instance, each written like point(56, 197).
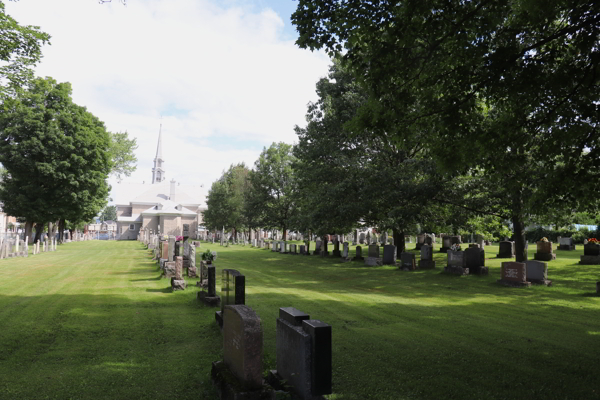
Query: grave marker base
point(444, 249)
point(209, 301)
point(456, 270)
point(358, 258)
point(337, 253)
point(346, 259)
point(178, 284)
point(544, 256)
point(219, 318)
point(546, 282)
point(229, 388)
point(566, 247)
point(513, 283)
point(589, 260)
point(505, 255)
point(277, 382)
point(426, 264)
point(373, 261)
point(192, 272)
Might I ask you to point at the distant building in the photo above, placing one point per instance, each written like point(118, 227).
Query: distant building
point(162, 207)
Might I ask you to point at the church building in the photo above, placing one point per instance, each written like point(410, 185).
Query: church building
point(162, 207)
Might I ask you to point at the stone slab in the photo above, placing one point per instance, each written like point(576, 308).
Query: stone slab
point(373, 261)
point(544, 256)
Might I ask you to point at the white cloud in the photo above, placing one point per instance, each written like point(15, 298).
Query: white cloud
point(221, 76)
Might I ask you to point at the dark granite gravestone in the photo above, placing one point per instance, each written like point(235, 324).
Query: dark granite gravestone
point(426, 261)
point(186, 231)
point(336, 248)
point(566, 243)
point(358, 256)
point(239, 375)
point(407, 261)
point(317, 247)
point(544, 252)
point(514, 274)
point(210, 297)
point(475, 260)
point(304, 354)
point(428, 241)
point(455, 240)
point(591, 254)
point(389, 254)
point(457, 263)
point(507, 250)
point(302, 249)
point(178, 249)
point(177, 282)
point(537, 272)
point(373, 256)
point(446, 244)
point(233, 291)
point(325, 248)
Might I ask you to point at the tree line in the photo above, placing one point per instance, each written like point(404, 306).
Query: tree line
point(441, 116)
point(56, 155)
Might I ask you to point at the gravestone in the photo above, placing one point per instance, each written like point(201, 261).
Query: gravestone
point(302, 249)
point(544, 252)
point(475, 260)
point(169, 269)
point(304, 355)
point(177, 282)
point(420, 241)
point(455, 240)
point(537, 272)
point(293, 249)
point(317, 247)
point(325, 248)
point(336, 248)
point(514, 274)
point(192, 269)
point(171, 255)
point(591, 254)
point(389, 255)
point(283, 247)
point(407, 261)
point(428, 241)
point(307, 252)
point(457, 263)
point(361, 239)
point(210, 297)
point(239, 375)
point(346, 253)
point(373, 256)
point(507, 250)
point(358, 256)
point(426, 261)
point(446, 244)
point(233, 291)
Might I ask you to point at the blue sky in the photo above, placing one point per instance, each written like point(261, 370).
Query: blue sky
point(224, 78)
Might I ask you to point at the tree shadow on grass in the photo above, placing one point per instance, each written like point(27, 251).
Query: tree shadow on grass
point(158, 278)
point(165, 290)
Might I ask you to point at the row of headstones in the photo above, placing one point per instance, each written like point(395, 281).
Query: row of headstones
point(545, 250)
point(173, 257)
point(303, 346)
point(20, 248)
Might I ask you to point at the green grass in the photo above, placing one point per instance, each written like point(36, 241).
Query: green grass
point(93, 320)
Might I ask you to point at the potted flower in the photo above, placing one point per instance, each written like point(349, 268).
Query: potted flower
point(209, 256)
point(544, 246)
point(455, 247)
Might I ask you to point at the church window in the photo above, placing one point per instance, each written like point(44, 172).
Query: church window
point(132, 227)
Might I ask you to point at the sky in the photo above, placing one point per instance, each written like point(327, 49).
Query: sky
point(224, 78)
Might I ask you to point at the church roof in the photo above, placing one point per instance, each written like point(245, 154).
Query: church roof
point(168, 207)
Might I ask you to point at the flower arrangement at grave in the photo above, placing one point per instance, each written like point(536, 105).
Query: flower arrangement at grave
point(209, 256)
point(455, 247)
point(544, 239)
point(179, 238)
point(593, 240)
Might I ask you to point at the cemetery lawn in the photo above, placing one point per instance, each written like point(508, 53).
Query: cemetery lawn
point(94, 321)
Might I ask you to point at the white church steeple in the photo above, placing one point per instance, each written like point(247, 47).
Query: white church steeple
point(158, 174)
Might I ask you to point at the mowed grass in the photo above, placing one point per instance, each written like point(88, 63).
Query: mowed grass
point(94, 321)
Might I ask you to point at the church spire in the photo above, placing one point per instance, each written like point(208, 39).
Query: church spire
point(158, 174)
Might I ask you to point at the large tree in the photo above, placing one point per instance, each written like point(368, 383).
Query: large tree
point(273, 185)
point(122, 152)
point(226, 200)
point(20, 50)
point(56, 156)
point(508, 87)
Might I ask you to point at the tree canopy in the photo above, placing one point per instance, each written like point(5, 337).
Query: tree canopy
point(55, 153)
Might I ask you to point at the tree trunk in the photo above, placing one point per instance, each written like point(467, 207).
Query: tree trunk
point(399, 242)
point(519, 235)
point(39, 228)
point(284, 233)
point(28, 231)
point(61, 230)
